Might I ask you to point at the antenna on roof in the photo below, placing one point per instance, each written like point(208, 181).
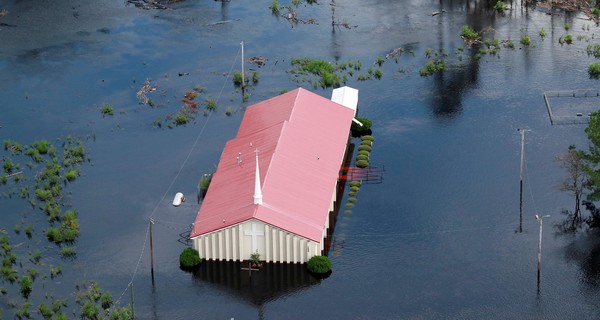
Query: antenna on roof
point(257, 190)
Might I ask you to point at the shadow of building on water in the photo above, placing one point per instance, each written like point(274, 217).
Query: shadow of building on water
point(271, 282)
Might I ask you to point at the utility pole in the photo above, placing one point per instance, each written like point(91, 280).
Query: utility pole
point(243, 77)
point(540, 219)
point(522, 131)
point(151, 253)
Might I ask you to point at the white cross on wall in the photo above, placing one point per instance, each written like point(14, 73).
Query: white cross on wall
point(254, 233)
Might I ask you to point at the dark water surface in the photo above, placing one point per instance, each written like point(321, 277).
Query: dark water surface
point(436, 240)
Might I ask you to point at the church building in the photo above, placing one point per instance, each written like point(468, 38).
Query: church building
point(276, 182)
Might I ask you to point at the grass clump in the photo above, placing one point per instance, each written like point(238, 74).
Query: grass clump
point(593, 50)
point(470, 34)
point(189, 258)
point(68, 251)
point(594, 70)
point(211, 104)
point(255, 77)
point(107, 110)
point(319, 264)
point(525, 40)
point(500, 6)
point(274, 7)
point(71, 175)
point(237, 78)
point(542, 32)
point(181, 118)
point(26, 285)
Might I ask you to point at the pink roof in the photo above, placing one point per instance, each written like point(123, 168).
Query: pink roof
point(301, 138)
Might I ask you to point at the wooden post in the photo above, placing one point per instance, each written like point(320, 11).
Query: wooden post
point(243, 77)
point(151, 253)
point(540, 219)
point(522, 131)
point(132, 302)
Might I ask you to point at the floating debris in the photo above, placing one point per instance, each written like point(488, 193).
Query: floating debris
point(148, 4)
point(260, 61)
point(146, 88)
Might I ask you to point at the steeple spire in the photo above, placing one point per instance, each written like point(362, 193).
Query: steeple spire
point(257, 189)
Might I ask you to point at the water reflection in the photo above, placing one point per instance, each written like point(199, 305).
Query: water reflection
point(272, 282)
point(585, 251)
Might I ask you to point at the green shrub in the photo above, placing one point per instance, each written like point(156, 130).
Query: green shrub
point(593, 50)
point(542, 32)
point(211, 104)
point(68, 251)
point(364, 153)
point(274, 7)
point(41, 146)
point(319, 264)
point(469, 33)
point(71, 175)
point(107, 110)
point(45, 310)
point(43, 195)
point(357, 130)
point(500, 6)
point(366, 142)
point(237, 78)
point(525, 40)
point(54, 235)
point(26, 285)
point(228, 111)
point(362, 163)
point(351, 199)
point(364, 148)
point(351, 194)
point(106, 300)
point(255, 77)
point(594, 70)
point(181, 118)
point(362, 157)
point(8, 165)
point(355, 183)
point(189, 258)
point(567, 26)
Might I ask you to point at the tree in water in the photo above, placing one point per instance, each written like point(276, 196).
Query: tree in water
point(573, 162)
point(589, 161)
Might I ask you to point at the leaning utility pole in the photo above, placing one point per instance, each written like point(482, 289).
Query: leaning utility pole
point(522, 131)
point(243, 78)
point(540, 219)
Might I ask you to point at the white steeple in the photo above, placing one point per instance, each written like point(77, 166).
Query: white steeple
point(257, 189)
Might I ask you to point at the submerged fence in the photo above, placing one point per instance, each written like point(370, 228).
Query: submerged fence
point(571, 106)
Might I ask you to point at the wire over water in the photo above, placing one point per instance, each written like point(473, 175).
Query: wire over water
point(200, 133)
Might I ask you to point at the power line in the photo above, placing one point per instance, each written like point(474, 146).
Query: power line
point(175, 179)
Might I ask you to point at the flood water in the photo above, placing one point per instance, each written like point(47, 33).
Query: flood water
point(438, 239)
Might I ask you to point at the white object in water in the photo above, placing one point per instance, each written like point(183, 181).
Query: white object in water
point(179, 198)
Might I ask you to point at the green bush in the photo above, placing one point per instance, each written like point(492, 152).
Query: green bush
point(594, 70)
point(211, 104)
point(68, 252)
point(237, 78)
point(189, 258)
point(357, 130)
point(363, 153)
point(362, 157)
point(469, 33)
point(54, 235)
point(366, 142)
point(8, 165)
point(181, 118)
point(319, 264)
point(41, 146)
point(525, 40)
point(352, 199)
point(274, 7)
point(542, 32)
point(255, 77)
point(45, 310)
point(355, 183)
point(71, 175)
point(362, 163)
point(367, 138)
point(364, 148)
point(500, 6)
point(26, 284)
point(107, 110)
